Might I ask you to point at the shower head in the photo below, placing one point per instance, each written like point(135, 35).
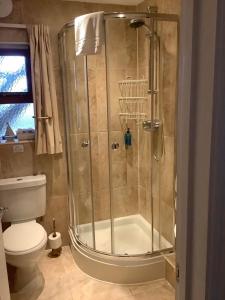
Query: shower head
point(136, 23)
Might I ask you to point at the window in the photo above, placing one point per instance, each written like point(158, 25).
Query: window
point(15, 76)
point(16, 102)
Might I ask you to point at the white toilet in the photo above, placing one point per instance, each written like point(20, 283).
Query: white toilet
point(24, 240)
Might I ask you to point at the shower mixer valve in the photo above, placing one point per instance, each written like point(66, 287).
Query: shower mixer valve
point(149, 125)
point(85, 144)
point(115, 146)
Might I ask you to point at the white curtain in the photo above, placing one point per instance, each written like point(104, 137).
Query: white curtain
point(48, 138)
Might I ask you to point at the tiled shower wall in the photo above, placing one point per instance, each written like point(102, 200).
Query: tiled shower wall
point(128, 197)
point(162, 172)
point(130, 194)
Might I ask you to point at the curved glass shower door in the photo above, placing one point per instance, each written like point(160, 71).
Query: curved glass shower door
point(141, 76)
point(76, 105)
point(127, 104)
point(120, 111)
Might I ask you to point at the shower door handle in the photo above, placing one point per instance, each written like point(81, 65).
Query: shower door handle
point(85, 144)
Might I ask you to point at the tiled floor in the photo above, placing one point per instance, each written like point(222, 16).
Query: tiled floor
point(65, 281)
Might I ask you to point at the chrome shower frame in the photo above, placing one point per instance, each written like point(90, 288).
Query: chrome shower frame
point(153, 17)
point(130, 15)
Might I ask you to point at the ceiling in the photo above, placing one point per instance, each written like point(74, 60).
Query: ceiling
point(120, 2)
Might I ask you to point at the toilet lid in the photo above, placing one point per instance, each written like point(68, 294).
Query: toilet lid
point(23, 237)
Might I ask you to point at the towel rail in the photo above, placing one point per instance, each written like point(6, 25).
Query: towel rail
point(12, 26)
point(42, 118)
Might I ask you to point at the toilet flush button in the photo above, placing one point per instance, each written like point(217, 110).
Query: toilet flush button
point(18, 148)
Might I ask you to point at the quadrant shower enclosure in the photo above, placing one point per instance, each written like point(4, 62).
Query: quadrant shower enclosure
point(120, 120)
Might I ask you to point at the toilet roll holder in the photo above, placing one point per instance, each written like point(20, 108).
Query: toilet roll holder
point(54, 252)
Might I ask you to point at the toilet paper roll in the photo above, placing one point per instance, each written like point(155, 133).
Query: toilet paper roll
point(55, 242)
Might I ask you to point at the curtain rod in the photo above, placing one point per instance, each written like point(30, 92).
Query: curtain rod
point(9, 25)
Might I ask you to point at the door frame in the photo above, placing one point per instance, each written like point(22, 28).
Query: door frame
point(195, 131)
point(215, 270)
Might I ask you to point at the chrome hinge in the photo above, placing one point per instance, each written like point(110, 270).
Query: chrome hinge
point(177, 272)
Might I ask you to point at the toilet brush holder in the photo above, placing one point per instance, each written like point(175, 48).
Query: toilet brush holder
point(55, 242)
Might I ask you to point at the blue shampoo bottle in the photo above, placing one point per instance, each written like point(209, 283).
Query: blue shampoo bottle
point(127, 138)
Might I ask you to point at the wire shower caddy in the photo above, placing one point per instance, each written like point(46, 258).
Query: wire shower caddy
point(134, 99)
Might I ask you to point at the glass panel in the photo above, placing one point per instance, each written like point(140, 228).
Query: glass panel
point(127, 100)
point(142, 174)
point(157, 160)
point(156, 186)
point(77, 127)
point(13, 77)
point(17, 115)
point(166, 173)
point(99, 150)
point(152, 137)
point(145, 186)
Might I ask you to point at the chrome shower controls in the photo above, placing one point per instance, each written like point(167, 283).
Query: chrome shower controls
point(115, 146)
point(85, 144)
point(150, 125)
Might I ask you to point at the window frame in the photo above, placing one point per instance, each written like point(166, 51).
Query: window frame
point(18, 97)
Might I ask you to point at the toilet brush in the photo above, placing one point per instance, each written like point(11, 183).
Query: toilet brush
point(54, 231)
point(55, 241)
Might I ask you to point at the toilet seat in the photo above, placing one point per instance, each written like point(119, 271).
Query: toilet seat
point(23, 238)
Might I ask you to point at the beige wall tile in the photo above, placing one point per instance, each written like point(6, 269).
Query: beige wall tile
point(16, 164)
point(80, 164)
point(102, 205)
point(162, 173)
point(57, 207)
point(171, 274)
point(124, 201)
point(167, 221)
point(167, 184)
point(100, 161)
point(84, 208)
